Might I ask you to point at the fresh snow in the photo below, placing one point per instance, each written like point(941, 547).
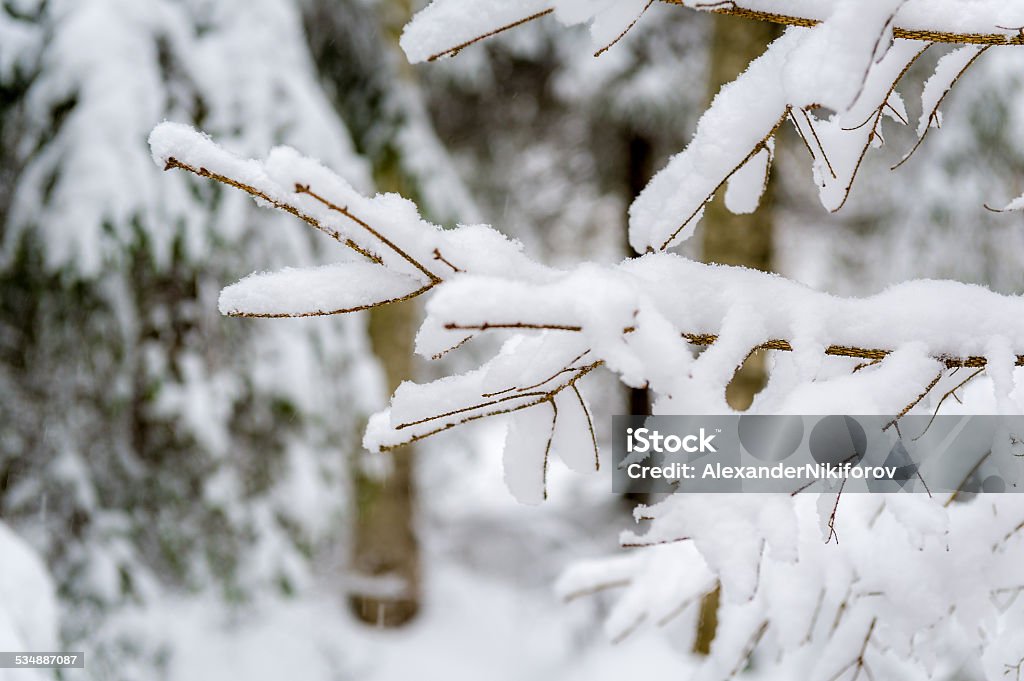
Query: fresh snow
point(448, 24)
point(28, 606)
point(328, 289)
point(947, 70)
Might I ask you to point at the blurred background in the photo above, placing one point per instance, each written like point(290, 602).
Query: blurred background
point(194, 485)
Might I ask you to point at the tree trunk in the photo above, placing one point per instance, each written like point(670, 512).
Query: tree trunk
point(363, 61)
point(384, 542)
point(731, 239)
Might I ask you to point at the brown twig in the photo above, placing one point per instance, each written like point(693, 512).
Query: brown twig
point(533, 399)
point(944, 397)
point(458, 48)
point(859, 662)
point(568, 368)
point(753, 152)
point(832, 516)
point(995, 39)
point(343, 210)
point(917, 400)
point(748, 650)
point(625, 30)
point(288, 208)
point(933, 115)
point(547, 447)
point(323, 313)
point(877, 116)
point(590, 427)
point(960, 487)
point(874, 354)
point(439, 355)
point(817, 140)
point(659, 542)
point(438, 256)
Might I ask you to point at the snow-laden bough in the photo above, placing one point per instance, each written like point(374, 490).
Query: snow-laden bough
point(916, 586)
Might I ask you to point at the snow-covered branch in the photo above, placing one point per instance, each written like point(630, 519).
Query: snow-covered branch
point(643, 318)
point(833, 74)
point(934, 22)
point(681, 328)
point(407, 255)
point(446, 27)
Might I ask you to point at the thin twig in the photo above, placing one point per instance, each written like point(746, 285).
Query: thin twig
point(343, 210)
point(875, 127)
point(568, 368)
point(832, 516)
point(438, 256)
point(625, 30)
point(917, 400)
point(960, 487)
point(748, 650)
point(859, 661)
point(753, 152)
point(288, 208)
point(324, 313)
point(933, 116)
point(943, 399)
point(458, 48)
point(817, 140)
point(538, 398)
point(590, 427)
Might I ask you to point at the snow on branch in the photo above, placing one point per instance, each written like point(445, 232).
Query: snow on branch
point(327, 290)
point(950, 68)
point(446, 27)
point(1016, 204)
point(407, 255)
point(642, 319)
point(801, 74)
point(990, 22)
point(818, 610)
point(697, 299)
point(833, 75)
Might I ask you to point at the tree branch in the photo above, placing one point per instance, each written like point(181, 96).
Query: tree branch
point(533, 399)
point(951, 362)
point(452, 51)
point(288, 208)
point(732, 8)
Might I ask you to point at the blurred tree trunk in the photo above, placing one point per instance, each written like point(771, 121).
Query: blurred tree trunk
point(385, 542)
point(384, 537)
point(639, 169)
point(639, 172)
point(735, 239)
point(738, 239)
point(356, 50)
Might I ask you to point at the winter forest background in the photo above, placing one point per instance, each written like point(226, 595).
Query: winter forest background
point(185, 495)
